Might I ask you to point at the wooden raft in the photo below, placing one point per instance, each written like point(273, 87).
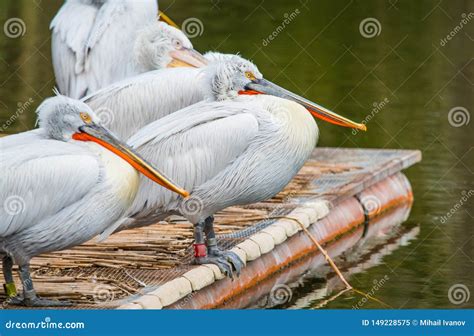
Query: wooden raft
point(132, 263)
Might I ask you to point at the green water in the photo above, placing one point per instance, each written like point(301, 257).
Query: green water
point(322, 54)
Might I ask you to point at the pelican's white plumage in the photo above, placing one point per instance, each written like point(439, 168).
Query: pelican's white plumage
point(59, 188)
point(226, 153)
point(57, 193)
point(134, 102)
point(92, 42)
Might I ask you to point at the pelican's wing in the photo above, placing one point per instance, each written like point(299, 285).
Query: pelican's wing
point(193, 145)
point(134, 102)
point(70, 31)
point(41, 178)
point(93, 46)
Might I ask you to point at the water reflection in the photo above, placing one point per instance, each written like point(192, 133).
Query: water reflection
point(310, 283)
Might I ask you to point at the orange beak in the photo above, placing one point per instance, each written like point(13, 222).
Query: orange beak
point(263, 86)
point(103, 137)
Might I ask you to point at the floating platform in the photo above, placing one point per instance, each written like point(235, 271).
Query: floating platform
point(342, 196)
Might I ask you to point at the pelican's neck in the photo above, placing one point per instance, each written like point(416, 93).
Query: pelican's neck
point(122, 178)
point(294, 122)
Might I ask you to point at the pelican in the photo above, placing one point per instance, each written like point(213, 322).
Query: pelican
point(61, 187)
point(98, 42)
point(242, 145)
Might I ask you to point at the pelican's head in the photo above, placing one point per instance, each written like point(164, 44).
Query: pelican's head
point(228, 75)
point(160, 45)
point(67, 119)
point(61, 117)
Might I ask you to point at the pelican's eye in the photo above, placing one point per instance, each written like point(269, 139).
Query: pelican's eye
point(250, 75)
point(177, 44)
point(85, 117)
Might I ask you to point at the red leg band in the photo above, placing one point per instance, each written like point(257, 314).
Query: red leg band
point(200, 250)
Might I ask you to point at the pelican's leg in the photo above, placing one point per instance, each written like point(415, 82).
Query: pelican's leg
point(201, 256)
point(214, 250)
point(30, 298)
point(9, 285)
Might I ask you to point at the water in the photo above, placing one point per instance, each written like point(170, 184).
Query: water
point(322, 54)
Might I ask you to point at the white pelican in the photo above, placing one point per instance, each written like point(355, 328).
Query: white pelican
point(236, 150)
point(62, 186)
point(98, 42)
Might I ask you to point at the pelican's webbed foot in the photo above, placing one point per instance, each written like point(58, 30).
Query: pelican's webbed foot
point(229, 256)
point(207, 252)
point(221, 262)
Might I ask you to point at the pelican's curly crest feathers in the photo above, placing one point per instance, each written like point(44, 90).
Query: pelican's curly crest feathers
point(227, 78)
point(59, 116)
point(155, 42)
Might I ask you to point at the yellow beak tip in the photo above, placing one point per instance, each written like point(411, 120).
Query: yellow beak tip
point(362, 127)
